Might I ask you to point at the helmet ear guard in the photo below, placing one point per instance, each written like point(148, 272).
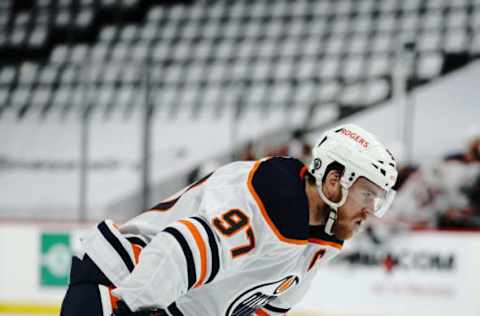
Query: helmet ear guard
point(332, 215)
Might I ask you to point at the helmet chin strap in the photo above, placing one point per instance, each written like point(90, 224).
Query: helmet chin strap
point(332, 215)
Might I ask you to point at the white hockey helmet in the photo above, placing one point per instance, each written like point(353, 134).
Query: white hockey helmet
point(362, 155)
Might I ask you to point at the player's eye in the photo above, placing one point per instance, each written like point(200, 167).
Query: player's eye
point(368, 194)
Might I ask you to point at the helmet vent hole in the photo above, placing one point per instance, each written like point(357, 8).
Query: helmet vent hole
point(381, 162)
point(376, 167)
point(391, 164)
point(389, 153)
point(383, 172)
point(323, 140)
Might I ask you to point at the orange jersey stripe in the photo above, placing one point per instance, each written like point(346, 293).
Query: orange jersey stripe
point(303, 171)
point(261, 312)
point(325, 243)
point(203, 251)
point(113, 299)
point(261, 206)
point(136, 252)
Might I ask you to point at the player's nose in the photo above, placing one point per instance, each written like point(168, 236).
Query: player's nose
point(370, 206)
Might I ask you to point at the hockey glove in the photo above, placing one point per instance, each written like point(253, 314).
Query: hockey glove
point(123, 310)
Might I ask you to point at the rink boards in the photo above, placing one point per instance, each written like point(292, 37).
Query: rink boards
point(421, 273)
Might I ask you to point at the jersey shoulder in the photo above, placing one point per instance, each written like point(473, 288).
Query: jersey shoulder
point(278, 187)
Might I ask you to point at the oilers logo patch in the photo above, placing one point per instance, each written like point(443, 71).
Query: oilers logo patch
point(249, 301)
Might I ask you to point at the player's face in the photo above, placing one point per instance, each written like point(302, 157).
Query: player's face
point(361, 203)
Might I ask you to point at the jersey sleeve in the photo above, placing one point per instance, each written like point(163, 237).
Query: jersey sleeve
point(194, 251)
point(183, 256)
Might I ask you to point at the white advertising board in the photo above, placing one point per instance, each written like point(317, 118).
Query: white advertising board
point(423, 273)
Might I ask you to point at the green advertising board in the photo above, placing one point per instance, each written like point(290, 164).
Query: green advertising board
point(55, 260)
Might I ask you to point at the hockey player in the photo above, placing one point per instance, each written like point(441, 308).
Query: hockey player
point(245, 240)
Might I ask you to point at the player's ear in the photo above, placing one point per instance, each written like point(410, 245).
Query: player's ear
point(331, 186)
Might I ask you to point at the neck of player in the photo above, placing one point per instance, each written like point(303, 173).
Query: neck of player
point(318, 210)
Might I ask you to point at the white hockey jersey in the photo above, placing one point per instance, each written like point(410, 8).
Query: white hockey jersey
point(235, 243)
